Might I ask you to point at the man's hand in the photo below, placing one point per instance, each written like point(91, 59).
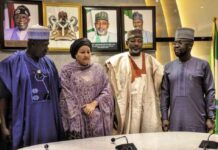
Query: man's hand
point(6, 133)
point(165, 125)
point(210, 124)
point(89, 108)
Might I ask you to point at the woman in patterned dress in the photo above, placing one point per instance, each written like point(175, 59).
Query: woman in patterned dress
point(86, 98)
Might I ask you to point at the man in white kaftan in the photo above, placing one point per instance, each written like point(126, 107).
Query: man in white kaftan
point(136, 77)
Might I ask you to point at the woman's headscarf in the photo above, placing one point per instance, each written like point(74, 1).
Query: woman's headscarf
point(77, 44)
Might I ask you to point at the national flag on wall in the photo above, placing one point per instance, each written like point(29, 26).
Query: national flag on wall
point(8, 14)
point(127, 16)
point(128, 13)
point(11, 9)
point(90, 23)
point(214, 65)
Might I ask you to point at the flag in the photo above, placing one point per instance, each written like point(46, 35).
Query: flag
point(9, 14)
point(128, 18)
point(128, 13)
point(214, 65)
point(90, 27)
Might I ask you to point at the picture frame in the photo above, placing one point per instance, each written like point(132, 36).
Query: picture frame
point(101, 28)
point(65, 23)
point(134, 17)
point(1, 25)
point(14, 28)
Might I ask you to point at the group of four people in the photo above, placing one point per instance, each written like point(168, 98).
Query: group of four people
point(88, 102)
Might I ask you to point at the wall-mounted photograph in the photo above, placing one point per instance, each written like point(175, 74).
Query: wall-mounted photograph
point(18, 17)
point(101, 28)
point(65, 23)
point(139, 18)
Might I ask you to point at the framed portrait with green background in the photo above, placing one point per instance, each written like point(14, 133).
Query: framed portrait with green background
point(139, 18)
point(101, 27)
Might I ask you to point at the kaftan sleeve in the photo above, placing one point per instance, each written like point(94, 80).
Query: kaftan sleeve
point(65, 94)
point(106, 104)
point(112, 77)
point(118, 70)
point(56, 76)
point(165, 96)
point(209, 91)
point(65, 83)
point(70, 110)
point(157, 76)
point(6, 72)
point(105, 98)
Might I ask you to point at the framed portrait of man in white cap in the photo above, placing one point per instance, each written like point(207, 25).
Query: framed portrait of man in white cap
point(65, 23)
point(18, 17)
point(101, 27)
point(142, 18)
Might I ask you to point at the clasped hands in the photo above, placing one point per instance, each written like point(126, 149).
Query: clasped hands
point(90, 107)
point(209, 123)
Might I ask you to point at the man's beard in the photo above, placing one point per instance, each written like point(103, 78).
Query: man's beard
point(140, 28)
point(103, 32)
point(22, 27)
point(135, 52)
point(180, 53)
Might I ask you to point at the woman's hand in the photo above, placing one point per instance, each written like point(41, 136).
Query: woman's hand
point(89, 108)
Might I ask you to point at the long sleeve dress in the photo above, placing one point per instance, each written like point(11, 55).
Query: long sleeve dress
point(82, 85)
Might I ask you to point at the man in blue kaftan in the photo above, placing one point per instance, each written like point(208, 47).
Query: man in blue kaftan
point(33, 82)
point(187, 91)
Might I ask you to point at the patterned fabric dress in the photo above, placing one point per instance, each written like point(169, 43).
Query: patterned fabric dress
point(82, 85)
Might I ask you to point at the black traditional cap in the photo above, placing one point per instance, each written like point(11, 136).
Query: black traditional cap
point(77, 44)
point(22, 10)
point(134, 33)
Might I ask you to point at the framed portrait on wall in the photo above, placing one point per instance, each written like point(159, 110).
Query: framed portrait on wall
point(139, 18)
point(101, 27)
point(65, 23)
point(18, 17)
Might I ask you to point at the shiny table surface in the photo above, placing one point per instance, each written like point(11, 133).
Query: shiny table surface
point(143, 141)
